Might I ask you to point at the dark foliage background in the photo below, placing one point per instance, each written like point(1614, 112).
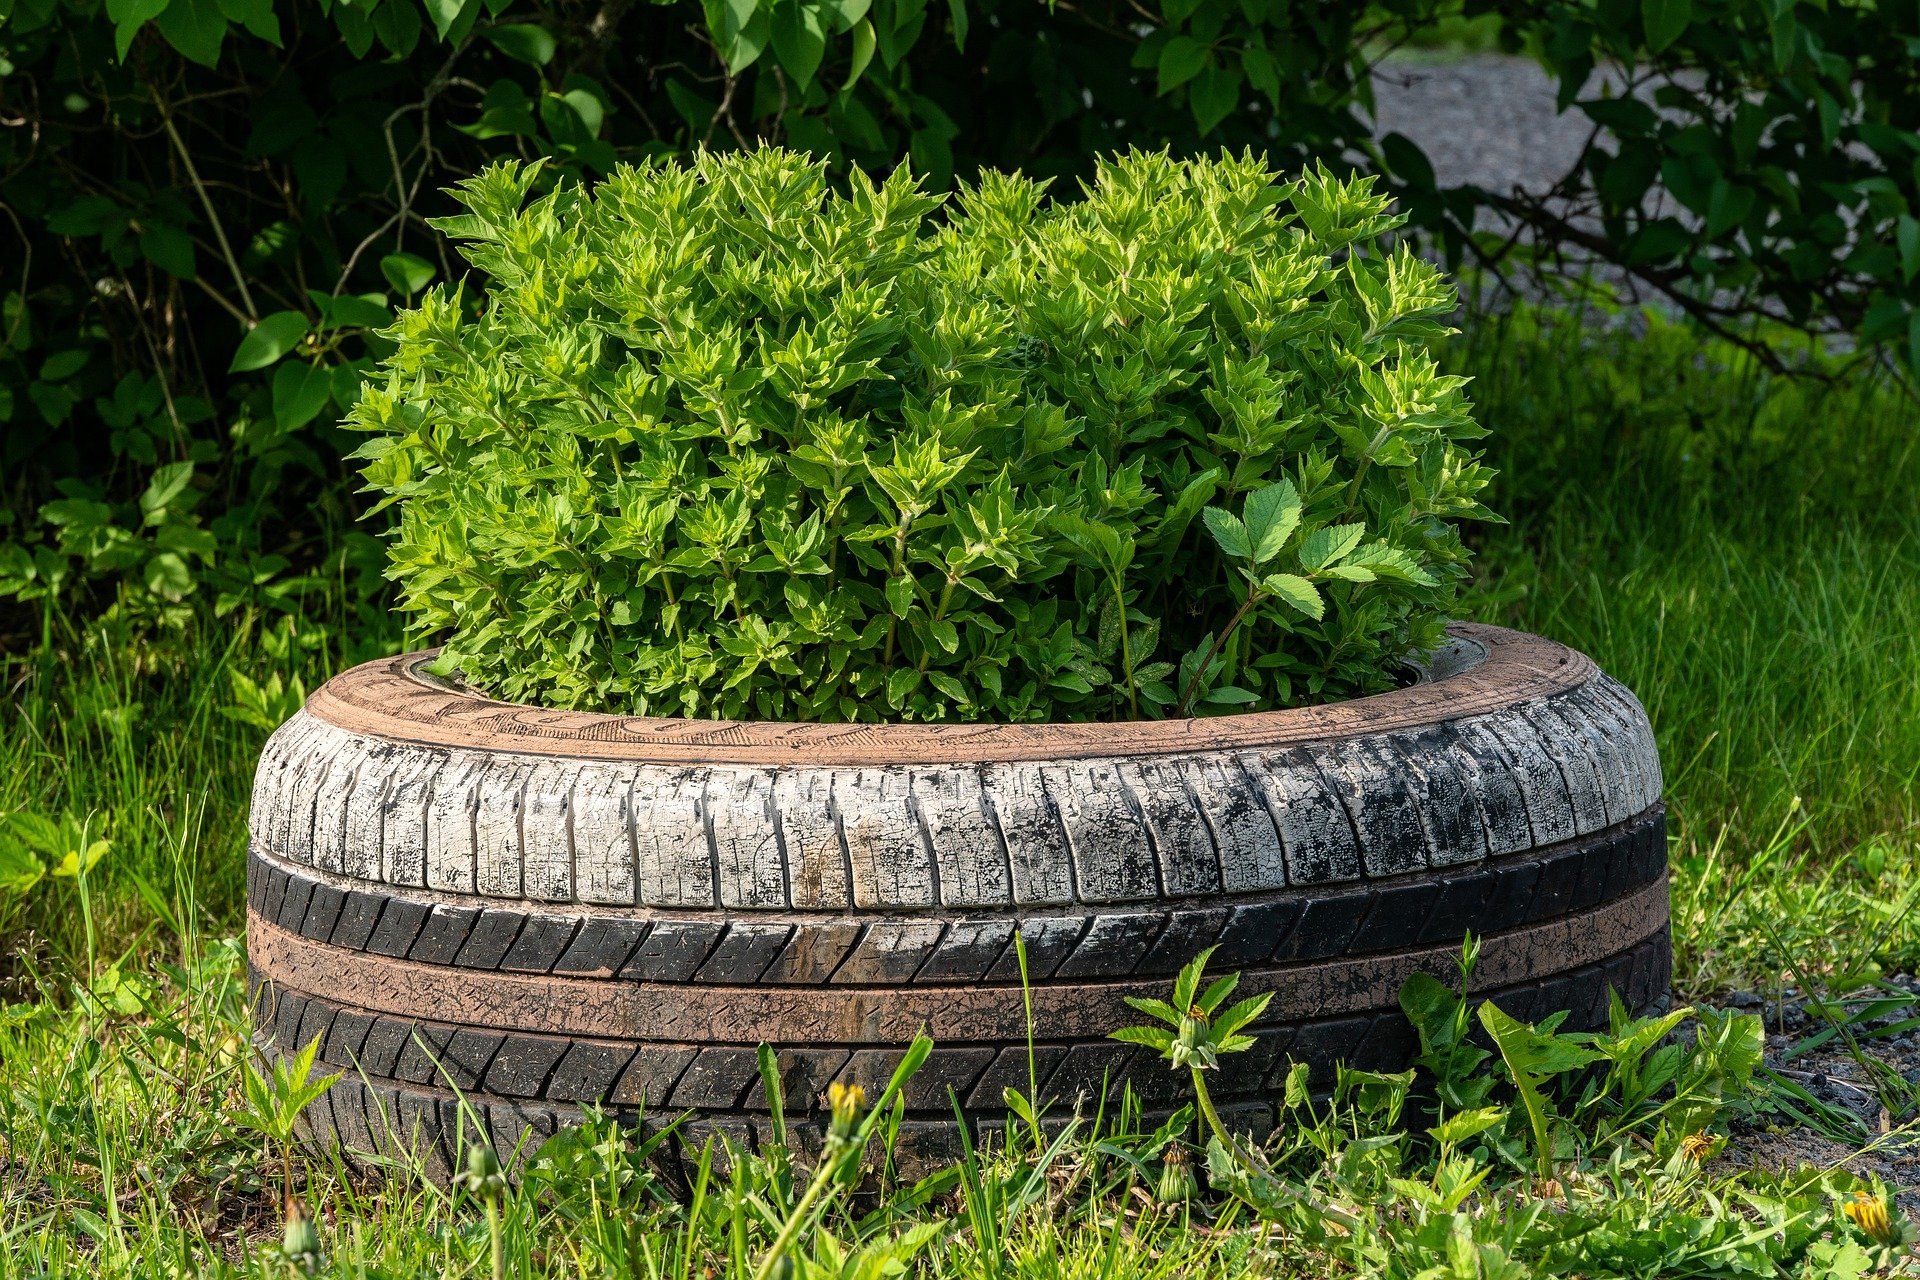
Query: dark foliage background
point(208, 207)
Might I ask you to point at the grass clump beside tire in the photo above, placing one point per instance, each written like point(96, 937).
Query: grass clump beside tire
point(722, 441)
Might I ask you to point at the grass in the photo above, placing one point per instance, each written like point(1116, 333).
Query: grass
point(1743, 550)
point(1738, 548)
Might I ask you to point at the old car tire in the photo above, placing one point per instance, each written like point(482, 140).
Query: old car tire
point(490, 916)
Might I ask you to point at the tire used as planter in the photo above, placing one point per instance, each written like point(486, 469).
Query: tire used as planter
point(520, 911)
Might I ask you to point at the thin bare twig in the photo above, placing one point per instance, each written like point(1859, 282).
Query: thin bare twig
point(206, 202)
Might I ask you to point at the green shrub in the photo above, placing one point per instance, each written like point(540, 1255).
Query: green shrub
point(722, 442)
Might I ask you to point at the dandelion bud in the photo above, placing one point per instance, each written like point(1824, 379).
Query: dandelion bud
point(300, 1242)
point(1177, 1183)
point(846, 1102)
point(483, 1177)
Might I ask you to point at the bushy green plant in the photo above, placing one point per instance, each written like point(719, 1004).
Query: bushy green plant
point(723, 442)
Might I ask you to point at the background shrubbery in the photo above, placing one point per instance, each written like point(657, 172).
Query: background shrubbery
point(207, 205)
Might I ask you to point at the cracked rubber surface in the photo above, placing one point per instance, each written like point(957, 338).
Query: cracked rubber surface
point(539, 910)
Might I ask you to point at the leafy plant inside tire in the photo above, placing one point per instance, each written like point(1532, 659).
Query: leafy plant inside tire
point(719, 441)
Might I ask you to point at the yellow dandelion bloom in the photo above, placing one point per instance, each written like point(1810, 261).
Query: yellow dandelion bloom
point(1869, 1213)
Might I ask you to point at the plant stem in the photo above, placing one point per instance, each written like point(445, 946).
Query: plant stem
point(497, 1237)
point(206, 202)
point(1126, 648)
point(822, 1176)
point(899, 567)
point(1254, 1165)
point(1254, 596)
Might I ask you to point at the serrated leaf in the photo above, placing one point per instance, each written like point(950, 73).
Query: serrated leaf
point(1241, 1014)
point(1330, 545)
point(1152, 1037)
point(1217, 990)
point(1272, 514)
point(1228, 532)
point(1296, 592)
point(1459, 1127)
point(1154, 1009)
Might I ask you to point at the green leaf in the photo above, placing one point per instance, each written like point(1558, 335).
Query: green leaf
point(1272, 514)
point(300, 392)
point(1155, 1009)
point(167, 575)
point(525, 41)
point(349, 311)
point(62, 365)
point(20, 870)
point(1180, 61)
point(76, 862)
point(901, 683)
point(1534, 1056)
point(900, 594)
point(863, 46)
point(1297, 592)
point(799, 40)
point(1228, 532)
point(1330, 545)
point(1295, 1094)
point(1457, 1128)
point(1213, 96)
point(168, 248)
point(166, 485)
point(1665, 21)
point(256, 16)
point(128, 17)
point(196, 28)
point(347, 381)
point(444, 13)
point(267, 341)
point(1154, 1038)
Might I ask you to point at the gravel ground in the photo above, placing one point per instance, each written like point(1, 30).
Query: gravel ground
point(1831, 1074)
